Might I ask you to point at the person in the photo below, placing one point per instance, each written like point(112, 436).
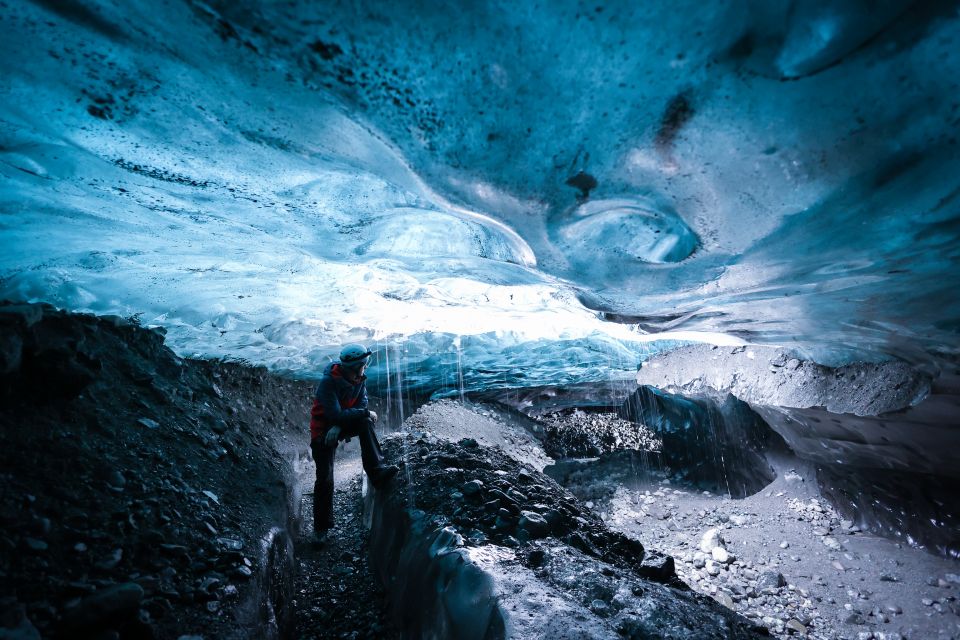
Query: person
point(340, 412)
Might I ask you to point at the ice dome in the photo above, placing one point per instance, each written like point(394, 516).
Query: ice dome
point(491, 188)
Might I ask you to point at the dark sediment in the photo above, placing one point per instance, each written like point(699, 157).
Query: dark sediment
point(477, 521)
point(142, 494)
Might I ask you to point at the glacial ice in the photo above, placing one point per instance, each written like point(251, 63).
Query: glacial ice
point(478, 190)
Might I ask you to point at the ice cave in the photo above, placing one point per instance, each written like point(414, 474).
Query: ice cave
point(479, 320)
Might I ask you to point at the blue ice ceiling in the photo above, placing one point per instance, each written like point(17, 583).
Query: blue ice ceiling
point(497, 187)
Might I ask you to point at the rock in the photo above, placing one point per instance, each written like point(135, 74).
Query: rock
point(14, 623)
point(116, 479)
point(35, 545)
point(771, 580)
point(472, 487)
point(854, 618)
point(721, 555)
point(23, 316)
point(724, 599)
point(11, 350)
point(148, 423)
point(792, 477)
point(711, 540)
point(110, 606)
point(534, 524)
point(795, 625)
point(831, 543)
point(784, 545)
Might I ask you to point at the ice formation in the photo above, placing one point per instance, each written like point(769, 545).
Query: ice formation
point(487, 187)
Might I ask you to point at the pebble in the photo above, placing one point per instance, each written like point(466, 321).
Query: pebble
point(784, 545)
point(721, 555)
point(796, 626)
point(148, 423)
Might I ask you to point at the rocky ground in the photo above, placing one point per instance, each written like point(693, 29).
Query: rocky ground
point(141, 494)
point(147, 496)
point(567, 575)
point(577, 433)
point(782, 557)
point(337, 596)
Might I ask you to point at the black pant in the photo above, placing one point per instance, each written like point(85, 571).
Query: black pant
point(370, 455)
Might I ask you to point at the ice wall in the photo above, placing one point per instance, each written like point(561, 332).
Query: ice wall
point(268, 179)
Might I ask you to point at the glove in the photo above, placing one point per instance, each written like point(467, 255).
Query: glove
point(373, 414)
point(333, 433)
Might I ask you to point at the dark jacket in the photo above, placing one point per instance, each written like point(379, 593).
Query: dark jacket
point(336, 401)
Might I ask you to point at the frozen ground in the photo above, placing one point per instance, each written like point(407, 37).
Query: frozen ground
point(837, 582)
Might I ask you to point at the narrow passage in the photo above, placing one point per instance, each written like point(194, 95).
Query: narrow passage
point(337, 595)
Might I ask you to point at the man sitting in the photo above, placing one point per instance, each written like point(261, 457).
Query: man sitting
point(340, 412)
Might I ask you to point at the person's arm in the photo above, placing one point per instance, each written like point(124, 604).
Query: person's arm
point(363, 404)
point(332, 411)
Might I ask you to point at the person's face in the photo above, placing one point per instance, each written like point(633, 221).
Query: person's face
point(354, 374)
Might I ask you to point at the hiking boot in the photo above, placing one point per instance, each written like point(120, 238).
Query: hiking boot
point(382, 475)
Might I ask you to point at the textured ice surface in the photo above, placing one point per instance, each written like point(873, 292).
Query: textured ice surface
point(269, 179)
